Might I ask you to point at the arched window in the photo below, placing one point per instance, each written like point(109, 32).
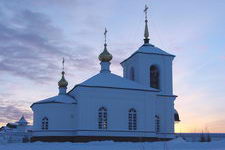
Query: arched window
point(154, 77)
point(132, 74)
point(157, 124)
point(132, 119)
point(102, 118)
point(44, 124)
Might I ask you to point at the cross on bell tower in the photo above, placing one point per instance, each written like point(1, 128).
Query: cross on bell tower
point(146, 33)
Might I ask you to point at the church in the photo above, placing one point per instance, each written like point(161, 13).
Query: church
point(136, 107)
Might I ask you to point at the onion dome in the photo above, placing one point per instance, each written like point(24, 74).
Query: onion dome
point(105, 56)
point(63, 82)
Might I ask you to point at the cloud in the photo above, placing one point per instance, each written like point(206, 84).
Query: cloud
point(12, 113)
point(28, 46)
point(32, 46)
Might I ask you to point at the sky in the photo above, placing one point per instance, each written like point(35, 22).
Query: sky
point(36, 35)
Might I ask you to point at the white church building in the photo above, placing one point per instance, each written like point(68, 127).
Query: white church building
point(136, 107)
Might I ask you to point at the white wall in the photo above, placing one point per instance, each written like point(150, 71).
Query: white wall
point(143, 62)
point(117, 102)
point(165, 110)
point(164, 103)
point(60, 116)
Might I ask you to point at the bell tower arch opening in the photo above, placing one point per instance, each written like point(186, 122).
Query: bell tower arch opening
point(154, 77)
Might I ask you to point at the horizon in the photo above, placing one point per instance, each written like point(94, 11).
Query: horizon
point(36, 35)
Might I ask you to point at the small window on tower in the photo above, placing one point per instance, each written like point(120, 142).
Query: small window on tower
point(154, 77)
point(132, 74)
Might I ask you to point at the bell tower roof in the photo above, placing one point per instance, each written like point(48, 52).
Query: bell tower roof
point(148, 48)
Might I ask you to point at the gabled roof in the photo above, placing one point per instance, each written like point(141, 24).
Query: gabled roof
point(22, 120)
point(61, 98)
point(110, 80)
point(150, 49)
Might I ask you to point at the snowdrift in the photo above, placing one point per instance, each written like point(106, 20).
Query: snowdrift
point(177, 144)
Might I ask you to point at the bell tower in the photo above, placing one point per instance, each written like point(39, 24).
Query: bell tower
point(149, 65)
point(152, 67)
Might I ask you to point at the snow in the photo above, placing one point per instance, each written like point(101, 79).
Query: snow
point(151, 49)
point(177, 144)
point(114, 81)
point(61, 98)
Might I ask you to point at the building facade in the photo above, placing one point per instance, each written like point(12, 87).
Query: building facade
point(136, 107)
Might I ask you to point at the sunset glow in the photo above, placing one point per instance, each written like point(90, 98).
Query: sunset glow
point(36, 35)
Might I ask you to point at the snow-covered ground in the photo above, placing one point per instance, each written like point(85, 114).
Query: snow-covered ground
point(177, 144)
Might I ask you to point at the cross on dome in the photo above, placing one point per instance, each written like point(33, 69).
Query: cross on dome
point(146, 33)
point(105, 34)
point(105, 56)
point(63, 82)
point(63, 61)
point(146, 12)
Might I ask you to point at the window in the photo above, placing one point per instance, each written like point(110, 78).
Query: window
point(154, 77)
point(44, 123)
point(132, 119)
point(157, 124)
point(132, 75)
point(102, 118)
